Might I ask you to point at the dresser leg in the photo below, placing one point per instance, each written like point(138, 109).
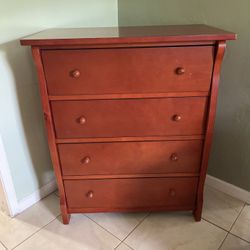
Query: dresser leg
point(198, 210)
point(65, 218)
point(197, 214)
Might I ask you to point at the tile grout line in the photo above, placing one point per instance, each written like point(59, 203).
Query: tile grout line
point(239, 237)
point(35, 233)
point(228, 232)
point(103, 228)
point(121, 241)
point(237, 217)
point(235, 222)
point(1, 243)
point(221, 244)
point(125, 245)
point(215, 225)
point(134, 229)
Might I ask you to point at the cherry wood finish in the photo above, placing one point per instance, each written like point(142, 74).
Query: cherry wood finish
point(140, 117)
point(129, 176)
point(150, 35)
point(51, 133)
point(133, 138)
point(126, 70)
point(129, 113)
point(128, 96)
point(161, 192)
point(210, 124)
point(130, 157)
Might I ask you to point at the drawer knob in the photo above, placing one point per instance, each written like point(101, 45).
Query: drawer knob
point(176, 118)
point(90, 194)
point(82, 120)
point(174, 157)
point(75, 73)
point(85, 160)
point(180, 71)
point(172, 192)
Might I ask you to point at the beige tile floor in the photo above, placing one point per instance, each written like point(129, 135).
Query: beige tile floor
point(225, 225)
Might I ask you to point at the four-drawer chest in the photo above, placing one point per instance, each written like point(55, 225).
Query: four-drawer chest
point(129, 113)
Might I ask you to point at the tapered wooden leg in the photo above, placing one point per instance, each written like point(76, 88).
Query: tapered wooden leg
point(198, 210)
point(64, 211)
point(65, 218)
point(197, 214)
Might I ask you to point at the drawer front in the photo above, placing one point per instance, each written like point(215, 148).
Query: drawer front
point(141, 117)
point(130, 157)
point(118, 193)
point(128, 70)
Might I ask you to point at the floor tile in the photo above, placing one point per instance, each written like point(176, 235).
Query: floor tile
point(3, 218)
point(241, 227)
point(57, 193)
point(234, 243)
point(14, 231)
point(3, 248)
point(123, 247)
point(119, 224)
point(81, 233)
point(3, 201)
point(220, 209)
point(163, 231)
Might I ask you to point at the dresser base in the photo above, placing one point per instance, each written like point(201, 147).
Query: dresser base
point(66, 215)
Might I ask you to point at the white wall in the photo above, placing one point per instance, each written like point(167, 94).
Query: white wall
point(21, 123)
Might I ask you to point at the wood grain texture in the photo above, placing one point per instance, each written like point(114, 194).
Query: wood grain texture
point(129, 96)
point(128, 35)
point(128, 176)
point(126, 70)
point(220, 50)
point(129, 113)
point(131, 192)
point(50, 133)
point(131, 139)
point(130, 157)
point(66, 45)
point(131, 209)
point(140, 117)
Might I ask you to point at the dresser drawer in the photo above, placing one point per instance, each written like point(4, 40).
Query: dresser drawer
point(128, 70)
point(130, 157)
point(134, 193)
point(141, 117)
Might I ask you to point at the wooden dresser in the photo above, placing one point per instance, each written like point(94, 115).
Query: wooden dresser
point(129, 113)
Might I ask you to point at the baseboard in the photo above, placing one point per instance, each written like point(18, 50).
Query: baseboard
point(7, 182)
point(228, 188)
point(214, 182)
point(50, 187)
point(36, 196)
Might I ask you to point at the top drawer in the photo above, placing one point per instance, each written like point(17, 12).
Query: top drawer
point(128, 70)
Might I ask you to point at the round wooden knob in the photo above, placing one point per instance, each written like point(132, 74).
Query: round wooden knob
point(85, 160)
point(75, 73)
point(174, 157)
point(90, 194)
point(180, 71)
point(172, 192)
point(176, 118)
point(82, 120)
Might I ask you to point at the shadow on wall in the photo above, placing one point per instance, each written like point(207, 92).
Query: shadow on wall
point(24, 91)
point(230, 156)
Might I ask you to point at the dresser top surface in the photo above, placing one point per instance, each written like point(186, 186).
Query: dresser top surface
point(132, 34)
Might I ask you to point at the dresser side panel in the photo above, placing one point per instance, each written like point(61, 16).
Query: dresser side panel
point(50, 132)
